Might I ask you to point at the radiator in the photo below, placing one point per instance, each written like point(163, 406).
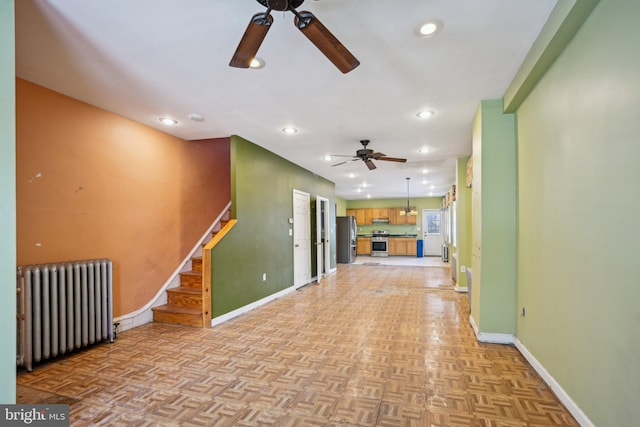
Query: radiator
point(62, 307)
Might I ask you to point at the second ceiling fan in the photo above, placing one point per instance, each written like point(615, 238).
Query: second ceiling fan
point(367, 155)
point(306, 22)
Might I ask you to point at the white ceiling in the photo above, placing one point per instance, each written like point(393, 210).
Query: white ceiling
point(146, 59)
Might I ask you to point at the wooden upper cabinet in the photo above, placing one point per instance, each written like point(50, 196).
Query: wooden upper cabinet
point(396, 218)
point(380, 213)
point(363, 215)
point(411, 219)
point(368, 215)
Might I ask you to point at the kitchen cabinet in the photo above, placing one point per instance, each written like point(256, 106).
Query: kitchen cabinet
point(363, 215)
point(363, 246)
point(402, 246)
point(380, 213)
point(396, 218)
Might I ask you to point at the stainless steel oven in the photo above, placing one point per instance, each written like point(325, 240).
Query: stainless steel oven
point(380, 243)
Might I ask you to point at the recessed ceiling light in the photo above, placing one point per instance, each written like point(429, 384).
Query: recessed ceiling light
point(432, 187)
point(425, 171)
point(368, 196)
point(426, 114)
point(256, 63)
point(167, 121)
point(352, 175)
point(429, 28)
point(196, 117)
point(358, 190)
point(328, 158)
point(425, 182)
point(424, 150)
point(289, 130)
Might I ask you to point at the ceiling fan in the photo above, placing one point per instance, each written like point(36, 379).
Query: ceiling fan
point(367, 155)
point(306, 22)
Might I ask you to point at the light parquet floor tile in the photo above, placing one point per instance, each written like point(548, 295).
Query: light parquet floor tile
point(369, 346)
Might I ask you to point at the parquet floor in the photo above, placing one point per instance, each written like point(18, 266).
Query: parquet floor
point(370, 346)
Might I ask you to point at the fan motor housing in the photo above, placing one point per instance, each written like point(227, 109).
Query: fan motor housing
point(281, 4)
point(364, 152)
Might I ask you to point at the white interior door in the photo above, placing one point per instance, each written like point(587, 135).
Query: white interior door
point(301, 238)
point(322, 236)
point(432, 232)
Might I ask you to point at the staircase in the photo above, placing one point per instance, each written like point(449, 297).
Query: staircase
point(190, 303)
point(184, 303)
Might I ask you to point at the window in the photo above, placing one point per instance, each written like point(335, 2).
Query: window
point(433, 223)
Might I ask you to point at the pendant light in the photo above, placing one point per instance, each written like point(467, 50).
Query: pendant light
point(408, 210)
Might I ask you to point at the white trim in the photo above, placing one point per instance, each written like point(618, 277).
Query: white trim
point(461, 289)
point(489, 337)
point(333, 270)
point(564, 397)
point(145, 315)
point(242, 310)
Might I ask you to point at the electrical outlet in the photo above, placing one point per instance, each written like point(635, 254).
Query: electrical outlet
point(264, 277)
point(463, 269)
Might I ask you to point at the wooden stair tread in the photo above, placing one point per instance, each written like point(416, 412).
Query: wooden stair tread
point(177, 310)
point(186, 290)
point(191, 273)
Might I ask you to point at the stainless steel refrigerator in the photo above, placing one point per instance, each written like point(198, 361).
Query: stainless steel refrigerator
point(346, 239)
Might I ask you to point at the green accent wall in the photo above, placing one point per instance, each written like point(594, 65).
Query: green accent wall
point(7, 204)
point(578, 204)
point(463, 221)
point(494, 219)
point(341, 206)
point(561, 26)
point(262, 185)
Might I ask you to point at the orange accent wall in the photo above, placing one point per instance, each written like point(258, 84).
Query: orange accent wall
point(92, 184)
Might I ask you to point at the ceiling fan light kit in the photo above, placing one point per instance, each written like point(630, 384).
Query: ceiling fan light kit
point(411, 211)
point(306, 22)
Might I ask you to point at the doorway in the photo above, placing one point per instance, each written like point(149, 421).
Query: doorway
point(301, 239)
point(323, 258)
point(432, 231)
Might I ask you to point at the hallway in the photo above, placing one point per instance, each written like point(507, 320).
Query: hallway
point(369, 346)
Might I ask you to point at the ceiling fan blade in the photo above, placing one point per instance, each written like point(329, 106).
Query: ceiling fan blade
point(346, 161)
point(376, 156)
point(328, 44)
point(251, 40)
point(370, 164)
point(392, 159)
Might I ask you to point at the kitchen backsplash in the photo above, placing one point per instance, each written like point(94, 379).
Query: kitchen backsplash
point(391, 228)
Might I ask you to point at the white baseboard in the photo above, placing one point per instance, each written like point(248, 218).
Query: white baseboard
point(489, 337)
point(564, 397)
point(461, 289)
point(242, 310)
